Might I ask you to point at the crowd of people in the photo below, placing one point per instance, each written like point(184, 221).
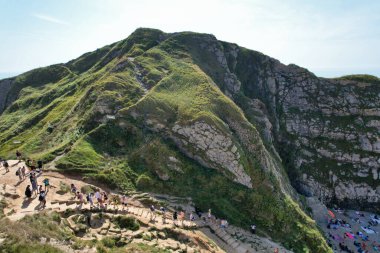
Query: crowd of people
point(349, 240)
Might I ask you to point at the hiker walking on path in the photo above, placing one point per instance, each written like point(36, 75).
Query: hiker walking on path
point(182, 216)
point(98, 198)
point(18, 155)
point(163, 210)
point(42, 199)
point(209, 214)
point(192, 216)
point(105, 199)
point(253, 229)
point(124, 201)
point(80, 198)
point(90, 200)
point(33, 181)
point(73, 190)
point(23, 171)
point(152, 213)
point(19, 174)
point(6, 166)
point(175, 217)
point(47, 184)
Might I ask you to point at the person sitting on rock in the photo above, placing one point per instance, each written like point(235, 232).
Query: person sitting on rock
point(28, 192)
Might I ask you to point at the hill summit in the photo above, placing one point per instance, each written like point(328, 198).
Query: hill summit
point(188, 115)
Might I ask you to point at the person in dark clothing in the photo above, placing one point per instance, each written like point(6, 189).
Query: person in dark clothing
point(6, 166)
point(175, 217)
point(39, 164)
point(42, 198)
point(18, 155)
point(28, 192)
point(198, 212)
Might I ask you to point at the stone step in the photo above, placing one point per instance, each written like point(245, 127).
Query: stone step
point(235, 244)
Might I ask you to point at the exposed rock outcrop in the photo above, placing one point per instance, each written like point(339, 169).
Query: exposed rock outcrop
point(210, 147)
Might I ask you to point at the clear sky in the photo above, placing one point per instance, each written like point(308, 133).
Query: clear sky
point(329, 37)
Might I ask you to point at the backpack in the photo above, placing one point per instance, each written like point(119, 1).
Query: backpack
point(17, 173)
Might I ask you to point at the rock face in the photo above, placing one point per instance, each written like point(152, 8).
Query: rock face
point(327, 130)
point(205, 143)
point(5, 86)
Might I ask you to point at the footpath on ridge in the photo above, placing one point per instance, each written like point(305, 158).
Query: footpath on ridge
point(96, 223)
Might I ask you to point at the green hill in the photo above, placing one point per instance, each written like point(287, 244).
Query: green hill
point(183, 114)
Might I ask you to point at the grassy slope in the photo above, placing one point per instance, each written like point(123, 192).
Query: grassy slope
point(182, 93)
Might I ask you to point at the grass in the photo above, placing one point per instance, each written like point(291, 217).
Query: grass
point(25, 235)
point(362, 78)
point(126, 222)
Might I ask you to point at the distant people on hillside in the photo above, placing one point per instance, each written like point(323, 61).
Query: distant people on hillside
point(33, 181)
point(124, 201)
point(182, 216)
point(6, 165)
point(98, 197)
point(47, 184)
point(39, 165)
point(73, 189)
point(152, 213)
point(23, 172)
point(175, 217)
point(90, 200)
point(80, 198)
point(223, 223)
point(19, 174)
point(209, 214)
point(42, 199)
point(253, 229)
point(18, 155)
point(28, 192)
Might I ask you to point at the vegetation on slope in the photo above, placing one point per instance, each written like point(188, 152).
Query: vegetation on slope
point(71, 116)
point(362, 78)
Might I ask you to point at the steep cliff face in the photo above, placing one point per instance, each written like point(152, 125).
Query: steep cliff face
point(188, 115)
point(326, 130)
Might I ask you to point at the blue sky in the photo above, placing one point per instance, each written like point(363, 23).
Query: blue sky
point(329, 37)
